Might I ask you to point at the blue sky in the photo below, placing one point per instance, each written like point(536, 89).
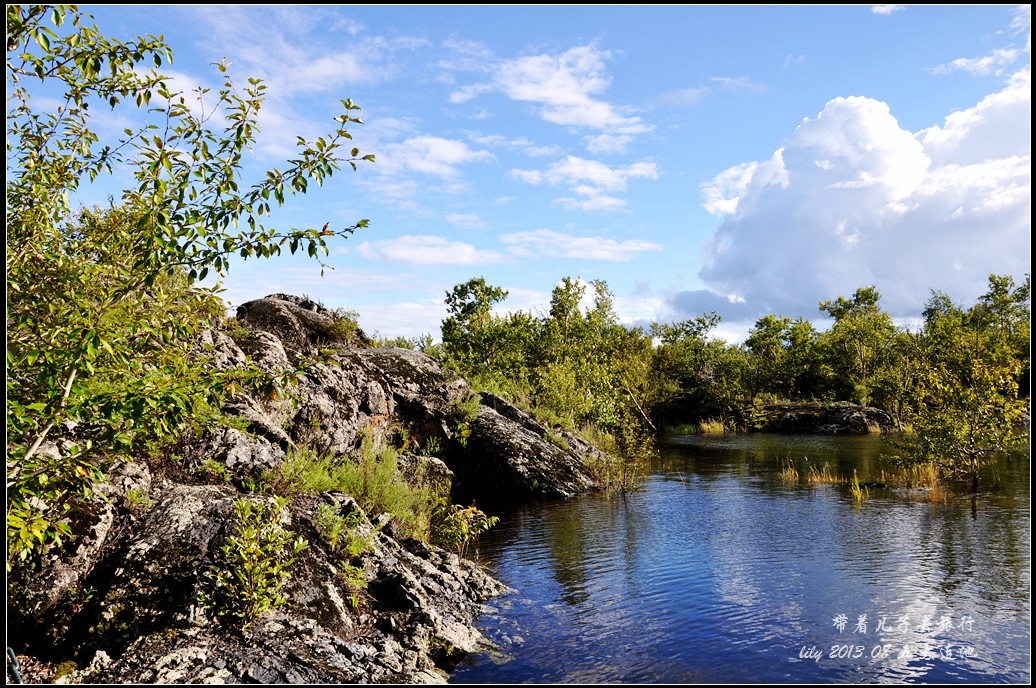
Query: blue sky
point(742, 159)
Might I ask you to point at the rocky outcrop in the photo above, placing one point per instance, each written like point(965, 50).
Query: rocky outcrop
point(129, 598)
point(821, 419)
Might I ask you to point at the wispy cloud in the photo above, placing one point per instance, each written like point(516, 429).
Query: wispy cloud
point(431, 155)
point(465, 220)
point(994, 63)
point(689, 97)
point(886, 10)
point(592, 181)
point(999, 60)
point(547, 242)
point(427, 250)
point(567, 87)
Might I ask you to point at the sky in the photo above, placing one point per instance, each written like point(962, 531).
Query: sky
point(747, 160)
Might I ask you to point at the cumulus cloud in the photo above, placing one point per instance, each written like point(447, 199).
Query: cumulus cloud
point(567, 87)
point(852, 199)
point(547, 242)
point(426, 250)
point(886, 10)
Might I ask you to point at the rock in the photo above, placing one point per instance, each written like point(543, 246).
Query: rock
point(821, 419)
point(129, 599)
point(510, 458)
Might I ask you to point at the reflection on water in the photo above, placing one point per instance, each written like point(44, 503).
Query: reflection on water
point(717, 571)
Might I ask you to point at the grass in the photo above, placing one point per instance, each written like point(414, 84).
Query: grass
point(789, 473)
point(712, 426)
point(371, 478)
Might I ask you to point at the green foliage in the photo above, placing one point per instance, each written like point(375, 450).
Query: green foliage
point(341, 532)
point(701, 376)
point(372, 478)
point(254, 564)
point(303, 470)
point(465, 409)
point(103, 305)
point(455, 527)
point(344, 325)
point(860, 343)
point(968, 405)
point(215, 470)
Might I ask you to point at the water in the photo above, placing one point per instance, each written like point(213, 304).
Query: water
point(717, 571)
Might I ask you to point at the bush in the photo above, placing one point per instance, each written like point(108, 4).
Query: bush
point(253, 564)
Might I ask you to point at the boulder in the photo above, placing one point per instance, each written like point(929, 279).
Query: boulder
point(129, 598)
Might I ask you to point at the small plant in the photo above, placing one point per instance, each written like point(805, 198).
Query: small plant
point(712, 427)
point(558, 441)
point(355, 580)
point(214, 470)
point(258, 484)
point(341, 532)
point(465, 409)
point(253, 564)
point(824, 476)
point(433, 446)
point(137, 497)
point(303, 470)
point(454, 527)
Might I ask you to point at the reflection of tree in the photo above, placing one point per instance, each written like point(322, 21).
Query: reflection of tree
point(566, 539)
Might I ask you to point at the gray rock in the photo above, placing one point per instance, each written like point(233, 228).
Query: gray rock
point(126, 597)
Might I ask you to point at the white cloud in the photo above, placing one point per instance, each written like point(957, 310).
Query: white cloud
point(999, 60)
point(605, 144)
point(465, 220)
point(684, 97)
point(573, 171)
point(432, 155)
point(402, 319)
point(566, 86)
point(740, 83)
point(852, 199)
point(688, 97)
point(988, 130)
point(994, 63)
point(547, 242)
point(426, 250)
point(886, 10)
point(590, 180)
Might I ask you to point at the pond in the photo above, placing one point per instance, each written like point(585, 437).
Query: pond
point(721, 570)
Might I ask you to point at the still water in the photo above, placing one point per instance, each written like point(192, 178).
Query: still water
point(719, 571)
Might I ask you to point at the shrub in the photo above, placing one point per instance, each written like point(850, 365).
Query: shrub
point(454, 527)
point(253, 564)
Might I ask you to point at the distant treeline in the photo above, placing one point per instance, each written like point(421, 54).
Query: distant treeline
point(579, 367)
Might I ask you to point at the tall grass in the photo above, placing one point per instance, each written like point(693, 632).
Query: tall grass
point(712, 426)
point(372, 478)
point(788, 472)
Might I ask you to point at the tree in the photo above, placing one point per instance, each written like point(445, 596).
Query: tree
point(968, 405)
point(104, 306)
point(704, 376)
point(859, 340)
point(767, 349)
